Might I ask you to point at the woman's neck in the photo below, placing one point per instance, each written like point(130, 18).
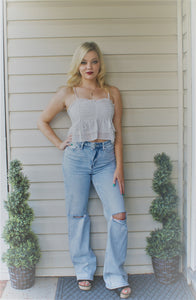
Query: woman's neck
point(91, 85)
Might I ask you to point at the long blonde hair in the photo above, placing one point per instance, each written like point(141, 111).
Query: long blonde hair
point(74, 77)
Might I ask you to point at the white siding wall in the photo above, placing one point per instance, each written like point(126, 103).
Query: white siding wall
point(139, 42)
point(187, 127)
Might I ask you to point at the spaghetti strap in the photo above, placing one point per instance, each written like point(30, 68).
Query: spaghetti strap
point(75, 92)
point(107, 93)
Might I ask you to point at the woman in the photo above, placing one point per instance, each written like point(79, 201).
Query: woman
point(92, 153)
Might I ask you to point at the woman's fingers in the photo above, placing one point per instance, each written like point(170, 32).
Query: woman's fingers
point(120, 180)
point(66, 143)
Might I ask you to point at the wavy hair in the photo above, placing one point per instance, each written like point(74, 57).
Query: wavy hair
point(74, 76)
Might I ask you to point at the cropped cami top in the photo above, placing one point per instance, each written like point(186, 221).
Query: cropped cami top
point(91, 119)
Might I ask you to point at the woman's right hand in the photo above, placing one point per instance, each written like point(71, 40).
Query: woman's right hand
point(66, 143)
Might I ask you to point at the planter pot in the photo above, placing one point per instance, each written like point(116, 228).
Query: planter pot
point(22, 278)
point(166, 270)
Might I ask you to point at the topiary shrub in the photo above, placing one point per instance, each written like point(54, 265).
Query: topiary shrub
point(164, 243)
point(24, 251)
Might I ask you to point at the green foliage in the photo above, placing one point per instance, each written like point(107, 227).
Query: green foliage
point(25, 255)
point(160, 207)
point(23, 249)
point(165, 242)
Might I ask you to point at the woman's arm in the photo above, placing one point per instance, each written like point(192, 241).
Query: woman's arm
point(117, 120)
point(56, 105)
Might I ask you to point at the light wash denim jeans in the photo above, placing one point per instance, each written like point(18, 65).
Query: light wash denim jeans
point(85, 163)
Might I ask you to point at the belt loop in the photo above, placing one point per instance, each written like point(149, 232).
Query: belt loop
point(103, 146)
point(82, 145)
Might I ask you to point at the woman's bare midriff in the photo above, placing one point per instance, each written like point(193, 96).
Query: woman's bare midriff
point(98, 141)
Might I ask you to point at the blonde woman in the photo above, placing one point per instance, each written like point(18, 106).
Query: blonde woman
point(92, 153)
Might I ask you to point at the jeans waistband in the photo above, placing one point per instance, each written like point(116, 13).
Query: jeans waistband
point(92, 145)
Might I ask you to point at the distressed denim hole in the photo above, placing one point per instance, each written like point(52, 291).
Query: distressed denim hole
point(120, 216)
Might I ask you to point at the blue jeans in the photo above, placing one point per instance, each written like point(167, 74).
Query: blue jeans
point(85, 163)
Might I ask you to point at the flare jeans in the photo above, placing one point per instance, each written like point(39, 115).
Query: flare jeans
point(84, 163)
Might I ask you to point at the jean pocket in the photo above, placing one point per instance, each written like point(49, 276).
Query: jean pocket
point(109, 148)
point(73, 147)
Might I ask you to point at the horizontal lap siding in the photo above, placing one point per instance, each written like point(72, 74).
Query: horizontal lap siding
point(186, 55)
point(139, 42)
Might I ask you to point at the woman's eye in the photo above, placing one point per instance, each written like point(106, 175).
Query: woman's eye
point(83, 62)
point(95, 62)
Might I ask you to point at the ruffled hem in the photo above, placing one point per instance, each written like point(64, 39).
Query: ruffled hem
point(89, 130)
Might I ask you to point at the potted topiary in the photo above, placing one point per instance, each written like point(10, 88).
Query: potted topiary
point(23, 252)
point(164, 245)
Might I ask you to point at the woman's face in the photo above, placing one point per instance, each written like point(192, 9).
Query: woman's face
point(89, 66)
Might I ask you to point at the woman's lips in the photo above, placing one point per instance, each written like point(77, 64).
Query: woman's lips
point(89, 73)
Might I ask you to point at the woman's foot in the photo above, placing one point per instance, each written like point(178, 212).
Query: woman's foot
point(84, 285)
point(124, 292)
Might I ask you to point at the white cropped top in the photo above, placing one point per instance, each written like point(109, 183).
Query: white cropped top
point(91, 119)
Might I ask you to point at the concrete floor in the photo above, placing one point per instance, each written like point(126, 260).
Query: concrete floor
point(44, 288)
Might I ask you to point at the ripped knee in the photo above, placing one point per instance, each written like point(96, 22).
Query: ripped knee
point(119, 216)
point(78, 215)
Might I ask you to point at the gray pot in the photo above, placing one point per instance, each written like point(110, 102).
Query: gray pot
point(166, 270)
point(22, 278)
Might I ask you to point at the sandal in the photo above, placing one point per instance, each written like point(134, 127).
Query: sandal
point(123, 292)
point(86, 287)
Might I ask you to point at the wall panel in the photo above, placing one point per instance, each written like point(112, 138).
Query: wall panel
point(139, 43)
point(187, 131)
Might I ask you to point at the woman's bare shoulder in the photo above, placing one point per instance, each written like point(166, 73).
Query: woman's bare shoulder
point(65, 90)
point(114, 92)
point(66, 94)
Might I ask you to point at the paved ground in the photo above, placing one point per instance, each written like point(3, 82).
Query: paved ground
point(2, 286)
point(44, 289)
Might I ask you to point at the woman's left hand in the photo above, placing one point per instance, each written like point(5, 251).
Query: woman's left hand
point(118, 175)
